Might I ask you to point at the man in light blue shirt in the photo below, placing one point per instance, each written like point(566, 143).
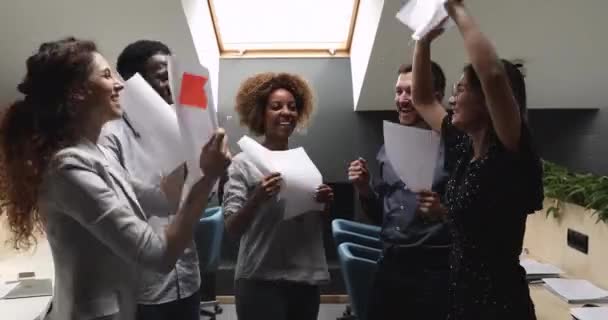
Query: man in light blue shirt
point(160, 296)
point(412, 276)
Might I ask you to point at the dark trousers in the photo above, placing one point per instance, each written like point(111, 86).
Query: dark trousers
point(410, 285)
point(276, 300)
point(183, 309)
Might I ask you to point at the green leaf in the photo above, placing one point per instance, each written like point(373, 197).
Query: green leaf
point(584, 189)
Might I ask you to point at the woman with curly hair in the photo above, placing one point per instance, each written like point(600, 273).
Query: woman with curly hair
point(280, 262)
point(56, 177)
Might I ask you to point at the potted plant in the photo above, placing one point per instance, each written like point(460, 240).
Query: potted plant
point(586, 190)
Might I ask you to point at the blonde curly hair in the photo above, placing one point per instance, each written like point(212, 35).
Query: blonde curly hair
point(253, 94)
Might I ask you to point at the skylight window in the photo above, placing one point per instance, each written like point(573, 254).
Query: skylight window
point(284, 27)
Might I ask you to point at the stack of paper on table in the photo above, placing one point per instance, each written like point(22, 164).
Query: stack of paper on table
point(591, 313)
point(537, 271)
point(300, 175)
point(576, 291)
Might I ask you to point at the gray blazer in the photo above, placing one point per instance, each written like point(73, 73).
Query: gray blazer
point(98, 234)
point(153, 287)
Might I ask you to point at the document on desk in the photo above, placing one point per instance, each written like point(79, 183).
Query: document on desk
point(537, 271)
point(29, 288)
point(300, 175)
point(576, 290)
point(590, 313)
point(423, 15)
point(5, 288)
point(412, 153)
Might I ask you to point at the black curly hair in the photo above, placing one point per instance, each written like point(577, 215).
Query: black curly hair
point(133, 58)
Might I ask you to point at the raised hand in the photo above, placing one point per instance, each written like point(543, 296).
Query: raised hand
point(358, 174)
point(268, 187)
point(429, 205)
point(324, 194)
point(215, 156)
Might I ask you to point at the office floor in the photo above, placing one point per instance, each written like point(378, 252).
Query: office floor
point(326, 312)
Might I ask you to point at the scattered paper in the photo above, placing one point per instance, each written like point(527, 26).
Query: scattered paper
point(590, 313)
point(412, 152)
point(155, 121)
point(576, 291)
point(422, 16)
point(301, 178)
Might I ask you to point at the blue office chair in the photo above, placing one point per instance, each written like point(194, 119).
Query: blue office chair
point(364, 235)
point(358, 264)
point(208, 238)
point(356, 232)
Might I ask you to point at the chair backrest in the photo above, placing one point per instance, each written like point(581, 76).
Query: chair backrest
point(208, 238)
point(358, 264)
point(356, 232)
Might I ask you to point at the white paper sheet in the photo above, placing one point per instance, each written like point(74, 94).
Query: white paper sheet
point(300, 176)
point(260, 156)
point(5, 288)
point(423, 15)
point(592, 313)
point(155, 121)
point(537, 270)
point(576, 291)
point(196, 124)
point(412, 152)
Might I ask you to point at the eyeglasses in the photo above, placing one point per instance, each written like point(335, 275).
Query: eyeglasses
point(458, 88)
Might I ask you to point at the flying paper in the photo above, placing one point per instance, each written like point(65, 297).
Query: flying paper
point(422, 16)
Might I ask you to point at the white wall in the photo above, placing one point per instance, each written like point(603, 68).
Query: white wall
point(113, 24)
point(364, 36)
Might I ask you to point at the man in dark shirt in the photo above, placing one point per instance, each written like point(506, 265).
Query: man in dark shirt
point(412, 277)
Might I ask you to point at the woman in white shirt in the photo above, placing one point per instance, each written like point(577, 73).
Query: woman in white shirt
point(280, 262)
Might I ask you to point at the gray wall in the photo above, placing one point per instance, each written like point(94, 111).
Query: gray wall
point(577, 139)
point(336, 134)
